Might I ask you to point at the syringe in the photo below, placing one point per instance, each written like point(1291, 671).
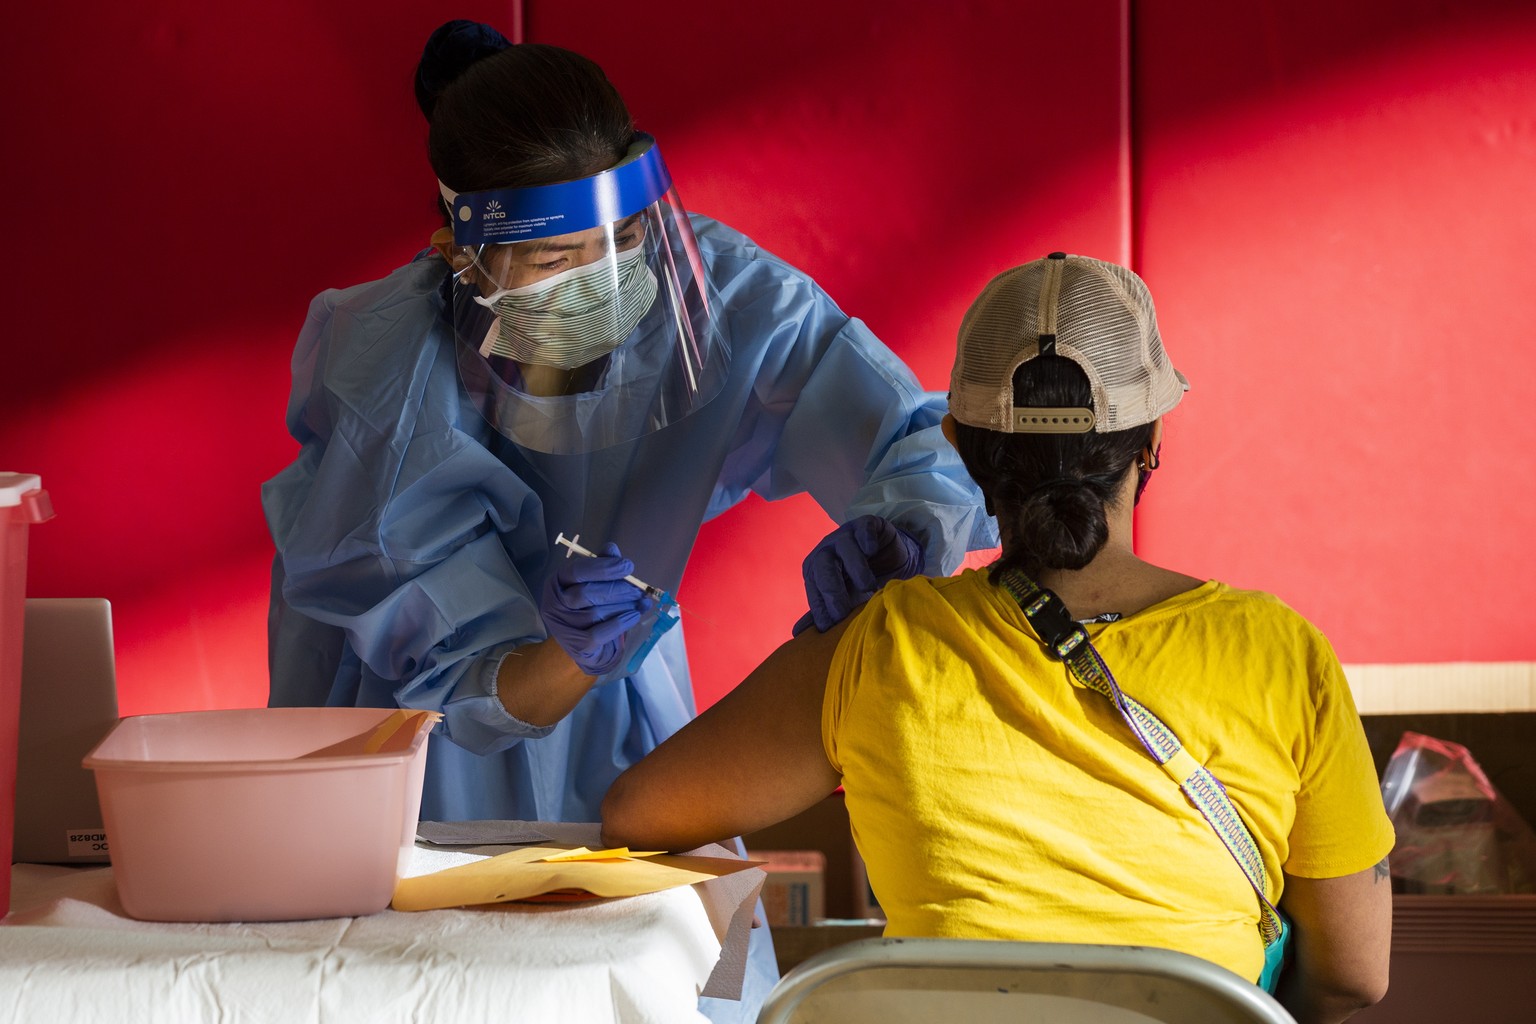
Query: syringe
point(576, 549)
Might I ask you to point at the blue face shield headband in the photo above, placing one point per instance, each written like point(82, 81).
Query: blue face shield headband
point(584, 311)
point(543, 211)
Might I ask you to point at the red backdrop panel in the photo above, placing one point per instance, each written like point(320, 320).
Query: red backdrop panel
point(1332, 207)
point(1336, 213)
point(182, 178)
point(203, 173)
point(901, 153)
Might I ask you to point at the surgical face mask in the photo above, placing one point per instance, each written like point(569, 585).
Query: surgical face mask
point(654, 347)
point(574, 317)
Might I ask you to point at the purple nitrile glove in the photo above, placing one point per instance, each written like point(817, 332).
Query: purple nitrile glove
point(588, 606)
point(852, 562)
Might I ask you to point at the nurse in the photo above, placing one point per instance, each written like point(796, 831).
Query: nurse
point(575, 355)
point(578, 355)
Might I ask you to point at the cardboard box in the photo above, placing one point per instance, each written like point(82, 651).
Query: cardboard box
point(822, 826)
point(795, 892)
point(865, 906)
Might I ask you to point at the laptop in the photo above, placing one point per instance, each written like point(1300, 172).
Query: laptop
point(68, 703)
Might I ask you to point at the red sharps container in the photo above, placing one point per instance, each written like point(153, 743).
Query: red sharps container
point(22, 503)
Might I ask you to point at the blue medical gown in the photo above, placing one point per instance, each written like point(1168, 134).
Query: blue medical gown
point(412, 539)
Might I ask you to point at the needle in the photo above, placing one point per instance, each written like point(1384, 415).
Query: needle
point(576, 549)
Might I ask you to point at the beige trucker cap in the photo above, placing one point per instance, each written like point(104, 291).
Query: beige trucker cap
point(1097, 314)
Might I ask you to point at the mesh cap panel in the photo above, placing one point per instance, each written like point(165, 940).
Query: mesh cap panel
point(1097, 314)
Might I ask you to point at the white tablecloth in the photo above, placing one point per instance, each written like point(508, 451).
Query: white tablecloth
point(69, 952)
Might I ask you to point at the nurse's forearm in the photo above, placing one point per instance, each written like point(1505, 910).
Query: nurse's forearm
point(540, 684)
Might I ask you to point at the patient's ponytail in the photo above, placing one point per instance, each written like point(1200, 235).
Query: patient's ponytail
point(1050, 491)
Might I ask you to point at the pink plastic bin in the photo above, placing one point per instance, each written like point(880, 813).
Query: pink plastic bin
point(22, 503)
point(221, 816)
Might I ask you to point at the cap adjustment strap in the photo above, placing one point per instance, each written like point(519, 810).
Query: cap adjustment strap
point(1052, 420)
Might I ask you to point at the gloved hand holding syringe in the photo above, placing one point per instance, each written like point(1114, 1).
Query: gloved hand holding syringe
point(577, 549)
point(590, 608)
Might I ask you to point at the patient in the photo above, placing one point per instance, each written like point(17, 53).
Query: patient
point(991, 793)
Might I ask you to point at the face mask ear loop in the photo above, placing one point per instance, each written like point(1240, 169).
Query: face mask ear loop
point(463, 260)
point(489, 301)
point(1149, 461)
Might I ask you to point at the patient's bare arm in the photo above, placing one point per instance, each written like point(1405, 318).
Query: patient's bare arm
point(752, 759)
point(1342, 946)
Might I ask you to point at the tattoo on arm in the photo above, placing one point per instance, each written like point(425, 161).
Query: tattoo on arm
point(1382, 871)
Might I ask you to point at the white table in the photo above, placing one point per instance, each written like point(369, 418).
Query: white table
point(69, 952)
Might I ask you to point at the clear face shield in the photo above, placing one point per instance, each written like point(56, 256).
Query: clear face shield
point(582, 312)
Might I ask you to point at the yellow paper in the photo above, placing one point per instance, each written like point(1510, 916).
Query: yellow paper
point(397, 731)
point(582, 853)
point(392, 735)
point(532, 871)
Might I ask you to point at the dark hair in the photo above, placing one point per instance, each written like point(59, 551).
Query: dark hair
point(1050, 490)
point(529, 114)
point(451, 48)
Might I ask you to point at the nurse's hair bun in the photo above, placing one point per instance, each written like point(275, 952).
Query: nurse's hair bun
point(451, 48)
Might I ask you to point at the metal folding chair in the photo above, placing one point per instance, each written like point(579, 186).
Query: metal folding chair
point(975, 981)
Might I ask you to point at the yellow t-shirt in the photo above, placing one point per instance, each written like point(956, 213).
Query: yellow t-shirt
point(993, 797)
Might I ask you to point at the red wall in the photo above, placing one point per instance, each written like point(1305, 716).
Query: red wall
point(881, 147)
point(181, 178)
point(1337, 204)
point(1314, 195)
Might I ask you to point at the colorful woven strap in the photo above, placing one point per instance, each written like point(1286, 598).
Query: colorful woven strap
point(1068, 641)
